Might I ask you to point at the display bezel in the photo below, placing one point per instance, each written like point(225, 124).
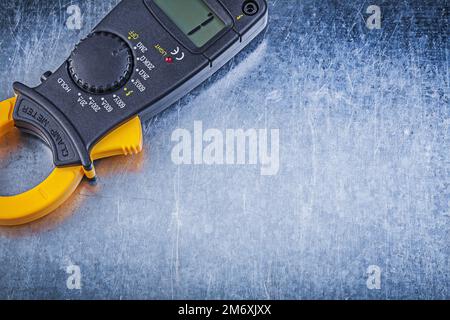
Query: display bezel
point(180, 36)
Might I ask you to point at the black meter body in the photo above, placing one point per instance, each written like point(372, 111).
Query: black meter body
point(143, 56)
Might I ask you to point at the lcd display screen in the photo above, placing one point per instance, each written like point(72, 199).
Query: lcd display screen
point(195, 19)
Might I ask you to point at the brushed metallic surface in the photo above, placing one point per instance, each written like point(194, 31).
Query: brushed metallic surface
point(364, 174)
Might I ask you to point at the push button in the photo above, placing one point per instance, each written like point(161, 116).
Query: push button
point(250, 8)
point(246, 13)
point(45, 76)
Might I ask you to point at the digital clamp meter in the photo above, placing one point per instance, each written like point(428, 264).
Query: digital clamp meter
point(143, 57)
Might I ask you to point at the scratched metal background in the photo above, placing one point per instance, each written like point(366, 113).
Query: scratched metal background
point(364, 177)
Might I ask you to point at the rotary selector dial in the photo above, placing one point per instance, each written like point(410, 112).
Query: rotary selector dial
point(101, 63)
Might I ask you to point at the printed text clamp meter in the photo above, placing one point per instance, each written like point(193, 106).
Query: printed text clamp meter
point(141, 58)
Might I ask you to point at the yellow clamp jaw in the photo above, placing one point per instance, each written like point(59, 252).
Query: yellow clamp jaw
point(62, 182)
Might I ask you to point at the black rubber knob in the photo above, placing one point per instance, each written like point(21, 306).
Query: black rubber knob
point(101, 63)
